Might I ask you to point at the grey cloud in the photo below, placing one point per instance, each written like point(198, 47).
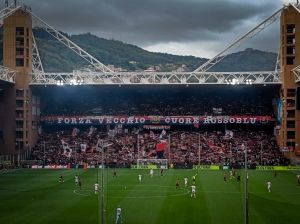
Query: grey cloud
point(148, 22)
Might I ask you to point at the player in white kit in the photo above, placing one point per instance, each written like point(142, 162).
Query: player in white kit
point(185, 181)
point(76, 179)
point(269, 186)
point(140, 177)
point(231, 174)
point(119, 214)
point(151, 173)
point(96, 185)
point(193, 191)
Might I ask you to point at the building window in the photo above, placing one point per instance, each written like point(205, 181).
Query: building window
point(20, 41)
point(290, 39)
point(290, 50)
point(19, 51)
point(290, 124)
point(290, 60)
point(19, 92)
point(290, 28)
point(291, 92)
point(19, 62)
point(19, 31)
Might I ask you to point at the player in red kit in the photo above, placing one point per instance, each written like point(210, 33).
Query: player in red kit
point(61, 178)
point(224, 177)
point(115, 173)
point(275, 175)
point(161, 172)
point(177, 184)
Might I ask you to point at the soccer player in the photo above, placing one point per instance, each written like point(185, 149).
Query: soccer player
point(140, 177)
point(238, 178)
point(61, 179)
point(171, 166)
point(247, 176)
point(79, 184)
point(194, 179)
point(269, 186)
point(185, 181)
point(224, 177)
point(96, 186)
point(119, 214)
point(76, 179)
point(151, 173)
point(275, 175)
point(161, 172)
point(231, 174)
point(298, 179)
point(177, 184)
point(193, 191)
point(115, 173)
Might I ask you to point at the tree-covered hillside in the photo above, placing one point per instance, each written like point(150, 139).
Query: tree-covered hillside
point(58, 58)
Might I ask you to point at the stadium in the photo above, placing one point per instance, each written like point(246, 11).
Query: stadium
point(234, 136)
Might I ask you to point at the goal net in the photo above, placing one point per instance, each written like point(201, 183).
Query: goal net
point(152, 164)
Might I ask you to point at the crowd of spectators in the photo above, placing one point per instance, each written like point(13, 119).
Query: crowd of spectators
point(183, 148)
point(159, 103)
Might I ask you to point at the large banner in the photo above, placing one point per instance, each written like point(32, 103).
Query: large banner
point(144, 167)
point(158, 120)
point(279, 111)
point(287, 149)
point(277, 168)
point(54, 166)
point(157, 127)
point(205, 167)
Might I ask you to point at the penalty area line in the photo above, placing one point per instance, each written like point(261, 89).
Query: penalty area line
point(186, 191)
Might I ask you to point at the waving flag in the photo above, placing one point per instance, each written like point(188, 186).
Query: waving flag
point(162, 135)
point(217, 110)
point(67, 152)
point(161, 146)
point(182, 136)
point(91, 130)
point(100, 145)
point(160, 149)
point(83, 147)
point(75, 131)
point(152, 135)
point(63, 141)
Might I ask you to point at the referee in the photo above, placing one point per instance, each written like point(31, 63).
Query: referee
point(194, 179)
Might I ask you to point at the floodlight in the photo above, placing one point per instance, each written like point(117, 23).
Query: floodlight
point(60, 83)
point(249, 81)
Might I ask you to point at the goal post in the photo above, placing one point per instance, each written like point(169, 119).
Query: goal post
point(150, 164)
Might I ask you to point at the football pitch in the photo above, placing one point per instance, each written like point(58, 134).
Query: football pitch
point(37, 196)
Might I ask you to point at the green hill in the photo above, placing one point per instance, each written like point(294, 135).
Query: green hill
point(58, 58)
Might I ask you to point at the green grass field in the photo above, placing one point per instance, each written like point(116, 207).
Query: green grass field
point(36, 196)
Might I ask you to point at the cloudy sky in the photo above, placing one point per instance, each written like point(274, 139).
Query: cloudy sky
point(200, 28)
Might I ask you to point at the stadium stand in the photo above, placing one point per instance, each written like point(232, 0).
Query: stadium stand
point(216, 148)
